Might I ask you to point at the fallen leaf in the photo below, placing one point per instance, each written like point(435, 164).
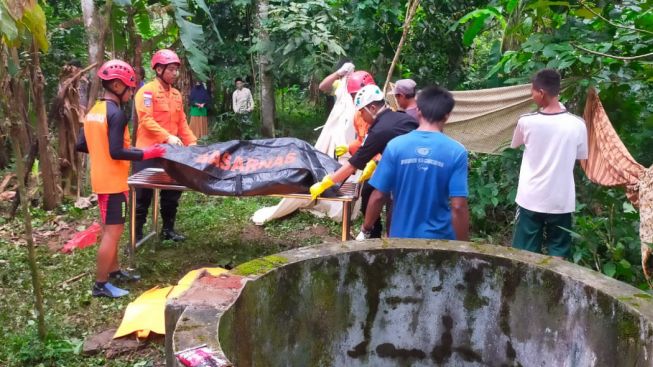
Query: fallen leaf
point(7, 195)
point(83, 203)
point(5, 181)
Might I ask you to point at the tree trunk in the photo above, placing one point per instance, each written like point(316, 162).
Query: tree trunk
point(20, 101)
point(67, 113)
point(4, 153)
point(96, 30)
point(31, 253)
point(29, 159)
point(252, 62)
point(14, 104)
point(265, 72)
point(314, 90)
point(49, 163)
point(137, 61)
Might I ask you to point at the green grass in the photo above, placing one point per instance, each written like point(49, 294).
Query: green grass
point(219, 232)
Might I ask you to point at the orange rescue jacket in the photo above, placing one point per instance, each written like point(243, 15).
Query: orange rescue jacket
point(160, 114)
point(360, 127)
point(108, 176)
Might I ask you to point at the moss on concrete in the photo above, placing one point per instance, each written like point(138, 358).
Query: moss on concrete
point(554, 287)
point(473, 278)
point(643, 295)
point(628, 327)
point(260, 266)
point(478, 247)
point(545, 262)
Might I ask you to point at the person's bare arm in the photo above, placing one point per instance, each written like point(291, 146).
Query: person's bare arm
point(326, 85)
point(374, 208)
point(343, 172)
point(459, 218)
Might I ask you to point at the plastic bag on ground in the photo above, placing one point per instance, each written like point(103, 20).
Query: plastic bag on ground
point(83, 239)
point(147, 312)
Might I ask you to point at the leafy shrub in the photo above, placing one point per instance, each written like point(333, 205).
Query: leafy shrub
point(605, 233)
point(492, 188)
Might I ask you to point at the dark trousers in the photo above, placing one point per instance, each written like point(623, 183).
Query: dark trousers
point(366, 191)
point(168, 205)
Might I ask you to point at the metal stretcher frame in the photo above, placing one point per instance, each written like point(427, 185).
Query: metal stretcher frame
point(157, 179)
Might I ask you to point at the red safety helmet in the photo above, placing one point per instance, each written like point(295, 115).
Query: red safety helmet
point(357, 80)
point(165, 57)
point(118, 69)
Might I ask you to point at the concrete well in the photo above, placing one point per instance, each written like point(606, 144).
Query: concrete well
point(413, 303)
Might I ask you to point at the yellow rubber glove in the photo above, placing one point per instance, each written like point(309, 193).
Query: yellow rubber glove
point(320, 187)
point(341, 150)
point(367, 171)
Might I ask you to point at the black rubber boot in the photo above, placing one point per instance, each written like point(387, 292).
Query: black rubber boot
point(168, 215)
point(169, 234)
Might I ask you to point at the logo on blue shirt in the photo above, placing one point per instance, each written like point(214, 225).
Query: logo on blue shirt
point(423, 151)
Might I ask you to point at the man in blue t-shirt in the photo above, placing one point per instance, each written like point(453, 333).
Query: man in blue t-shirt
point(425, 171)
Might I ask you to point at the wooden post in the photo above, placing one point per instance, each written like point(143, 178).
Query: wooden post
point(410, 13)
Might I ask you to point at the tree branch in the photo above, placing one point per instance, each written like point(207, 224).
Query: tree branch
point(150, 43)
point(611, 22)
point(624, 58)
point(410, 13)
point(70, 23)
point(70, 80)
point(161, 9)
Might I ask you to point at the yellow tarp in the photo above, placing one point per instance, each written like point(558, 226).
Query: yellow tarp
point(146, 313)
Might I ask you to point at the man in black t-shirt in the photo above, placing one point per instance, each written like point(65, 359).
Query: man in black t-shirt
point(385, 126)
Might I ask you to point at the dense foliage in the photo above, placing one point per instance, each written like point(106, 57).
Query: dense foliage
point(606, 45)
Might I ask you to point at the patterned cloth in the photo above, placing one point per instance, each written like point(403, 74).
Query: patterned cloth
point(483, 120)
point(609, 162)
point(199, 125)
point(646, 219)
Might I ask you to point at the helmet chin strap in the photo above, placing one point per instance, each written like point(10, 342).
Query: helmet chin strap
point(160, 75)
point(122, 94)
point(381, 109)
point(119, 95)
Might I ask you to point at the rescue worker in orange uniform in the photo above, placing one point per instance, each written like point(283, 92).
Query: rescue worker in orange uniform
point(161, 119)
point(106, 138)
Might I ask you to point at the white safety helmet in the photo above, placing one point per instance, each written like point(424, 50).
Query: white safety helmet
point(367, 95)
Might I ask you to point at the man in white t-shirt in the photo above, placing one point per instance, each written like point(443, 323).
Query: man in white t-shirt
point(546, 196)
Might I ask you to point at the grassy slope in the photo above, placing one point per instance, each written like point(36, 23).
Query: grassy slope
point(219, 234)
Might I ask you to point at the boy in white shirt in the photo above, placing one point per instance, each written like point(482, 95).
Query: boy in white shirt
point(546, 197)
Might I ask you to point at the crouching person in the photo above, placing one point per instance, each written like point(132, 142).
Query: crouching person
point(425, 172)
point(105, 138)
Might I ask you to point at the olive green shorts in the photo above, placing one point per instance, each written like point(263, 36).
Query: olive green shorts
point(537, 231)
